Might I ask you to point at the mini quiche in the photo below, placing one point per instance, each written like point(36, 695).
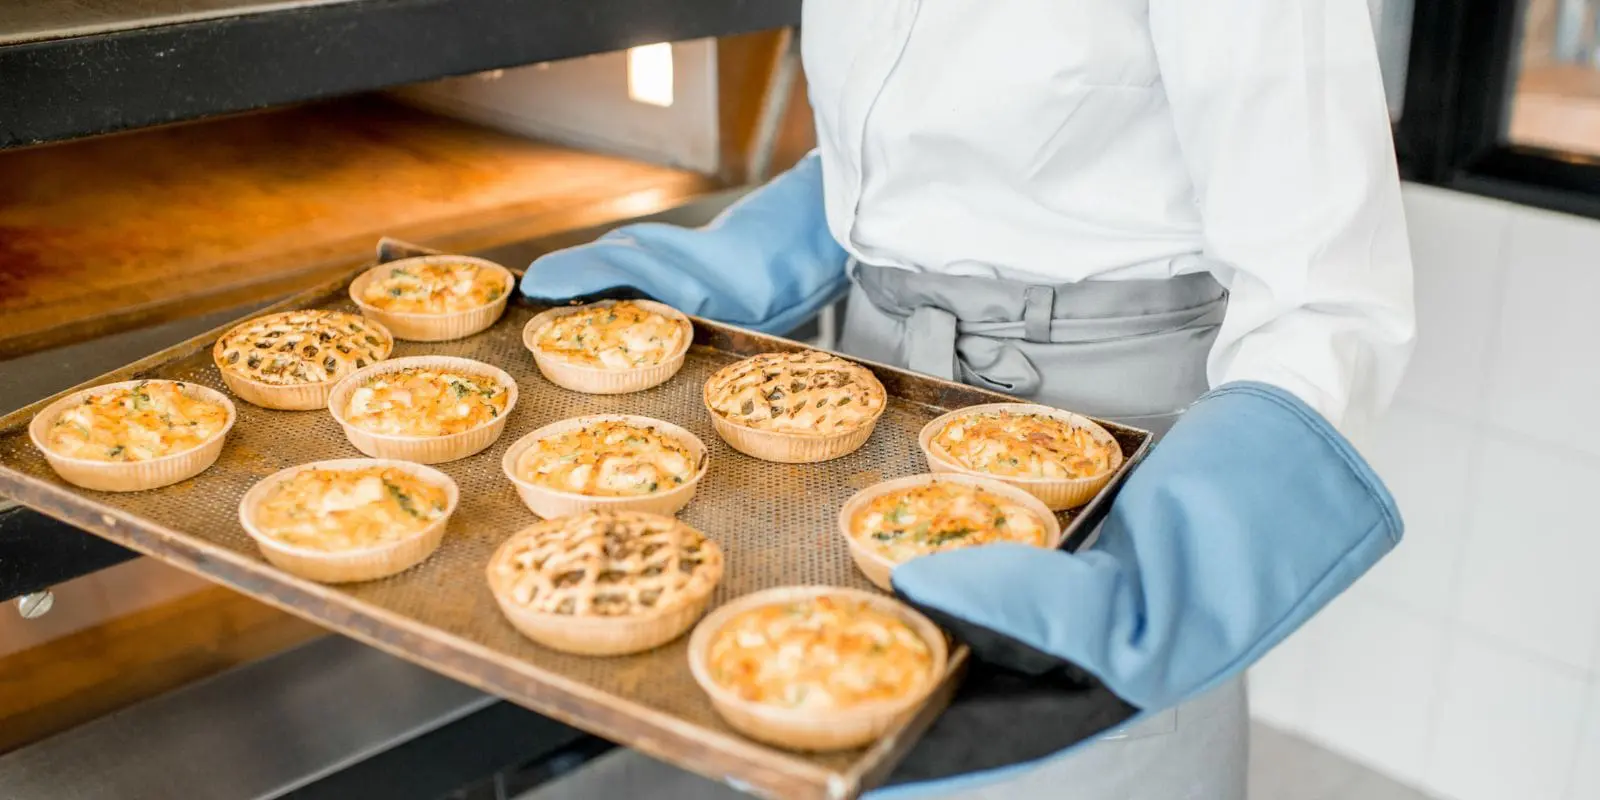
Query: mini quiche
point(610, 347)
point(610, 461)
point(1061, 457)
point(794, 407)
point(895, 521)
point(427, 409)
point(133, 435)
point(434, 298)
point(816, 668)
point(292, 360)
point(604, 582)
point(350, 519)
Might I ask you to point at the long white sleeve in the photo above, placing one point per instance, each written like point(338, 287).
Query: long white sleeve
point(1281, 119)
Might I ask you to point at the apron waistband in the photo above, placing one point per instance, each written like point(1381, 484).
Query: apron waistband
point(939, 309)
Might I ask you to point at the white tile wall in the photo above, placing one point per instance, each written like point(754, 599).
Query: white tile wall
point(1457, 289)
point(1546, 378)
point(1352, 689)
point(1528, 572)
point(1421, 573)
point(1508, 726)
point(1585, 783)
point(1468, 662)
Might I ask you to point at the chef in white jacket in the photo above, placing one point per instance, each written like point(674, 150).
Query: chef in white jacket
point(1178, 214)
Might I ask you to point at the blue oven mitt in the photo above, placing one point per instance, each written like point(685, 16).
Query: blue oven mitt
point(767, 262)
point(1244, 521)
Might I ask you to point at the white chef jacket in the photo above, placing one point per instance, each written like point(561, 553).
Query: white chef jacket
point(1070, 140)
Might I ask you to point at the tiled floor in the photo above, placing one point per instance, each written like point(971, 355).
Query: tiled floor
point(1282, 767)
point(1286, 767)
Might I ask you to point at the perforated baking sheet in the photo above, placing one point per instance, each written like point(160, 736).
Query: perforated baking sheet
point(774, 521)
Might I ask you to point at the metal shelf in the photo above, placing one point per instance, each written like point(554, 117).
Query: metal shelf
point(72, 72)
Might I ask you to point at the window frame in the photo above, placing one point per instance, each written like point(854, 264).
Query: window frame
point(1461, 76)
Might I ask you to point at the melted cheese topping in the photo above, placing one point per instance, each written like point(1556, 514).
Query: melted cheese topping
point(139, 423)
point(419, 401)
point(822, 653)
point(1024, 446)
point(907, 523)
point(609, 458)
point(345, 509)
point(435, 287)
point(622, 335)
point(606, 564)
point(805, 392)
point(302, 347)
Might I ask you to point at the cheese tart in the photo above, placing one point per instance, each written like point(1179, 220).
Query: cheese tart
point(609, 347)
point(292, 360)
point(1062, 458)
point(133, 435)
point(816, 668)
point(608, 461)
point(795, 407)
point(605, 582)
point(350, 519)
point(892, 522)
point(434, 298)
point(426, 409)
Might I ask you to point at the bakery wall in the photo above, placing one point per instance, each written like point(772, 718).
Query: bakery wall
point(1468, 662)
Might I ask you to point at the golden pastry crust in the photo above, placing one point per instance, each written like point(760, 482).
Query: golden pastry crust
point(301, 347)
point(423, 401)
point(1022, 445)
point(146, 421)
point(806, 392)
point(435, 287)
point(606, 564)
point(618, 336)
point(933, 517)
point(609, 458)
point(821, 653)
point(346, 509)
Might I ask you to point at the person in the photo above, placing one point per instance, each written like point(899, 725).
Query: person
point(1180, 215)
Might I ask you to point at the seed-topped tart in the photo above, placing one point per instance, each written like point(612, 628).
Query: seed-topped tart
point(292, 360)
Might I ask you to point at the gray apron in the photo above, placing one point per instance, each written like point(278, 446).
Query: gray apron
point(1130, 351)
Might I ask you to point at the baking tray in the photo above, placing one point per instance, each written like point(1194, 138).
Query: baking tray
point(774, 521)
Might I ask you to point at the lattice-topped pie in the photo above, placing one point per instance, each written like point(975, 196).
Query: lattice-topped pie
point(605, 583)
point(1058, 456)
point(347, 520)
point(816, 668)
point(610, 347)
point(803, 406)
point(291, 360)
